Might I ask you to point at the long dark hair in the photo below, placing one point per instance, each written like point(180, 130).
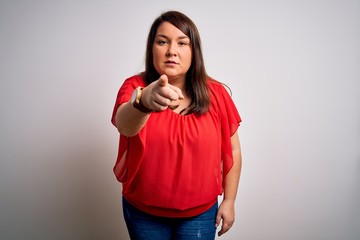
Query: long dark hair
point(196, 77)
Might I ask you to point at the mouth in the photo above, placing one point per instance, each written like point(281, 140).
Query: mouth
point(170, 62)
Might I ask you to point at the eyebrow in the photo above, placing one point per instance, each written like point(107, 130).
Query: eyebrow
point(164, 36)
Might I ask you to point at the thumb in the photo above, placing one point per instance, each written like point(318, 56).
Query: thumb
point(163, 80)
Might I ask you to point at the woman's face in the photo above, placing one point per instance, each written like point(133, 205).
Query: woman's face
point(172, 52)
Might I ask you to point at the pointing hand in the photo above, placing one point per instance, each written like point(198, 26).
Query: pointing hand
point(159, 95)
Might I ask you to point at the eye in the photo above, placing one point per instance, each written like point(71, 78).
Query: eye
point(161, 42)
point(183, 43)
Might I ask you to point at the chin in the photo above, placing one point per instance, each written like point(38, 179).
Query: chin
point(171, 73)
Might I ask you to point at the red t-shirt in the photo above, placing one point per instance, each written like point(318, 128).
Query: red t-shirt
point(175, 166)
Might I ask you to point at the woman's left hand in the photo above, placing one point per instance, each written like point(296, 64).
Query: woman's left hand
point(226, 212)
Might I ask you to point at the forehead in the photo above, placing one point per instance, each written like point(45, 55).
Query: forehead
point(169, 30)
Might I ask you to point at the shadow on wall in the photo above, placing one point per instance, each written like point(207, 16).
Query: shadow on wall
point(88, 197)
point(71, 194)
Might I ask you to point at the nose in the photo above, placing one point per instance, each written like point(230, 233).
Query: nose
point(171, 51)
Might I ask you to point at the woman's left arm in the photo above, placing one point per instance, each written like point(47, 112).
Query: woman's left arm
point(226, 210)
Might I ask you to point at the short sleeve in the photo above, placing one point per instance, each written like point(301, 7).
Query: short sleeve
point(229, 112)
point(125, 92)
point(229, 120)
point(122, 169)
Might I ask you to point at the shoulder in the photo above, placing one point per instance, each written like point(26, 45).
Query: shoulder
point(130, 83)
point(215, 87)
point(135, 80)
point(220, 93)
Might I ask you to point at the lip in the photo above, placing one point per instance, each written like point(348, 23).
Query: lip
point(171, 62)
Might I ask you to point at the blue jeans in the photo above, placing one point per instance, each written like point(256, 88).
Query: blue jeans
point(143, 226)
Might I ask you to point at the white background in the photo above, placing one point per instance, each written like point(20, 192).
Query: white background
point(294, 70)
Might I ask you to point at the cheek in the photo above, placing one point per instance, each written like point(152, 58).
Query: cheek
point(156, 60)
point(156, 55)
point(188, 57)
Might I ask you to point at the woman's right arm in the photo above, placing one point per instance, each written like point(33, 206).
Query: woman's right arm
point(156, 96)
point(129, 120)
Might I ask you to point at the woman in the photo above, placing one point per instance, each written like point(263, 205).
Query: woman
point(179, 147)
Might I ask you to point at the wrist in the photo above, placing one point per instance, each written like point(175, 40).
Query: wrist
point(229, 199)
point(136, 101)
point(143, 98)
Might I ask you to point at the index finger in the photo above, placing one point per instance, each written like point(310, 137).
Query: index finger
point(224, 228)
